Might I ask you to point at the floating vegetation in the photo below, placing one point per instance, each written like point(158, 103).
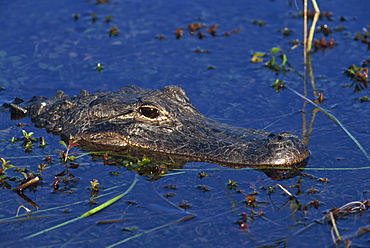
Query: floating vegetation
point(202, 174)
point(364, 99)
point(340, 28)
point(257, 57)
point(145, 166)
point(324, 29)
point(359, 77)
point(320, 98)
point(272, 64)
point(94, 191)
point(113, 31)
point(259, 23)
point(280, 66)
point(115, 173)
point(170, 186)
point(99, 67)
point(28, 141)
point(322, 45)
point(108, 18)
point(167, 195)
point(76, 16)
point(204, 188)
point(212, 30)
point(251, 201)
point(194, 27)
point(232, 184)
point(311, 14)
point(285, 31)
point(89, 213)
point(330, 217)
point(199, 30)
point(278, 85)
point(198, 50)
point(101, 1)
point(4, 167)
point(364, 36)
point(179, 33)
point(243, 223)
point(185, 205)
point(94, 17)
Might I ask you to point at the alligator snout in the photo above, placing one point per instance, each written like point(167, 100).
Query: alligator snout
point(286, 148)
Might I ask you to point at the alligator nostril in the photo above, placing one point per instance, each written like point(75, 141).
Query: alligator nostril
point(271, 135)
point(280, 137)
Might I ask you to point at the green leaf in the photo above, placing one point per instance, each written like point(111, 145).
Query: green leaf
point(284, 59)
point(25, 134)
point(271, 62)
point(260, 54)
point(63, 143)
point(275, 50)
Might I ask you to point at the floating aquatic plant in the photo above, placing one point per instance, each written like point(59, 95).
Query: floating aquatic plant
point(359, 77)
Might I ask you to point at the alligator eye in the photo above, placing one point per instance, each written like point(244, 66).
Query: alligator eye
point(149, 112)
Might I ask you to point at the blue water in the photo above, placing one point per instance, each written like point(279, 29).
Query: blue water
point(44, 49)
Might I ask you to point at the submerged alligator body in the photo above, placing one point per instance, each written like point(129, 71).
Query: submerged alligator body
point(162, 121)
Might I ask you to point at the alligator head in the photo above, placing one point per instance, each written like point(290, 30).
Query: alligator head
point(162, 121)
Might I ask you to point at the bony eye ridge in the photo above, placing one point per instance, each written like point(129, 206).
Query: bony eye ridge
point(149, 112)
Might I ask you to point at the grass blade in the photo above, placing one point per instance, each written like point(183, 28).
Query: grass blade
point(111, 201)
point(335, 120)
point(91, 212)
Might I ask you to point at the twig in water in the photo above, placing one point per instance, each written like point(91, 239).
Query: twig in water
point(27, 184)
point(285, 190)
point(21, 206)
point(334, 228)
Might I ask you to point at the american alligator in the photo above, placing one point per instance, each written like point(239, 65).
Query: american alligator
point(163, 121)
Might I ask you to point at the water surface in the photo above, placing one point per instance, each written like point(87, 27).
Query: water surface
point(45, 49)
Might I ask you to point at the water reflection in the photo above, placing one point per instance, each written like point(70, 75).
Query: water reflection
point(154, 165)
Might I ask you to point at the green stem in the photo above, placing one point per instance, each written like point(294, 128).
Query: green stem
point(91, 212)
